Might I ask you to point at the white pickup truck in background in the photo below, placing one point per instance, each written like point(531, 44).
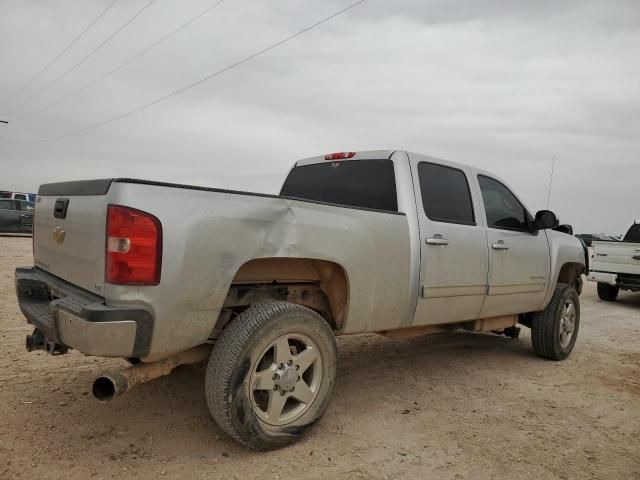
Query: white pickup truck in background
point(616, 265)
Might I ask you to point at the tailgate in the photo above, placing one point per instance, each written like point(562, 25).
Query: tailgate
point(616, 257)
point(69, 232)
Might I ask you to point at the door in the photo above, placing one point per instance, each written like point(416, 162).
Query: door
point(9, 216)
point(25, 215)
point(519, 260)
point(453, 246)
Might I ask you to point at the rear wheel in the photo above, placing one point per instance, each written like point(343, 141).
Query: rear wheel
point(555, 329)
point(607, 292)
point(271, 374)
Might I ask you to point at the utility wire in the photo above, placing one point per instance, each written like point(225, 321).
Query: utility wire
point(123, 64)
point(62, 52)
point(198, 82)
point(83, 59)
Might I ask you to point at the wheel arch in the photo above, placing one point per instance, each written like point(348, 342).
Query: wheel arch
point(571, 274)
point(321, 285)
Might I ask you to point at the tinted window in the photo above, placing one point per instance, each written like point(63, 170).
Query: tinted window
point(25, 206)
point(445, 194)
point(356, 183)
point(20, 196)
point(633, 235)
point(501, 206)
point(6, 205)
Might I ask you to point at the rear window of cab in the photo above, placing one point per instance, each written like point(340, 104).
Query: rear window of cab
point(353, 183)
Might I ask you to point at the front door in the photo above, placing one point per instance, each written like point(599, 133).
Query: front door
point(453, 273)
point(519, 261)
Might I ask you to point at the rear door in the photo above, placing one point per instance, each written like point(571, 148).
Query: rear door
point(453, 245)
point(9, 216)
point(519, 261)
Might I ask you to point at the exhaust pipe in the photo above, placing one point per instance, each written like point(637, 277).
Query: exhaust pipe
point(111, 385)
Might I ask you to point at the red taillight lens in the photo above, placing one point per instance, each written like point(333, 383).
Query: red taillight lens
point(134, 247)
point(339, 155)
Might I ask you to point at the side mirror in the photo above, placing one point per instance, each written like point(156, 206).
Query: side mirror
point(545, 219)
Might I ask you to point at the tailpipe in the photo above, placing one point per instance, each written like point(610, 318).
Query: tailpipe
point(111, 385)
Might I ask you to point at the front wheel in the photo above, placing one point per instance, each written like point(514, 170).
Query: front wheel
point(554, 330)
point(607, 292)
point(271, 374)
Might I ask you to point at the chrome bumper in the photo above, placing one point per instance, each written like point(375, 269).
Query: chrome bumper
point(66, 316)
point(602, 277)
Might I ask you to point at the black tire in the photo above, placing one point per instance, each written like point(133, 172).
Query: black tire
point(607, 292)
point(546, 325)
point(235, 356)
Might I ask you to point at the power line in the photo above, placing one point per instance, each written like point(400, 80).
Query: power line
point(83, 59)
point(198, 82)
point(62, 52)
point(123, 64)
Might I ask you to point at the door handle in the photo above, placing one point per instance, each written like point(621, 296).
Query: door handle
point(437, 239)
point(500, 245)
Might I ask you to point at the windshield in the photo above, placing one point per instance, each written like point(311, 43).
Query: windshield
point(355, 183)
point(633, 235)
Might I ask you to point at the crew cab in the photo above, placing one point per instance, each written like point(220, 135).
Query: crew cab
point(391, 242)
point(616, 265)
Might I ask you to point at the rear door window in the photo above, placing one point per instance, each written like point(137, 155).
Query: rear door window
point(503, 209)
point(25, 206)
point(445, 194)
point(6, 205)
point(353, 183)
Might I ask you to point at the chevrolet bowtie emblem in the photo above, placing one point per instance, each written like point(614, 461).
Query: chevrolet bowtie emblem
point(58, 235)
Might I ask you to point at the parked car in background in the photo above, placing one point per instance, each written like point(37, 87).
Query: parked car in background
point(616, 265)
point(29, 197)
point(16, 216)
point(589, 238)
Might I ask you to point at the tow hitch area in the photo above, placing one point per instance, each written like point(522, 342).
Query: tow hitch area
point(37, 341)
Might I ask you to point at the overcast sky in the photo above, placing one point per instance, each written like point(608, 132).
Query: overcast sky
point(501, 85)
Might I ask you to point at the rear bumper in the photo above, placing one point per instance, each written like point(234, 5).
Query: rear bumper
point(602, 277)
point(70, 317)
point(625, 281)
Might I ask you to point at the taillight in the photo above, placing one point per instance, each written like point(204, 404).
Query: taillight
point(339, 155)
point(134, 247)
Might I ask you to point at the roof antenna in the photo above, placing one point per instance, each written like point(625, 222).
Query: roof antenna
point(553, 166)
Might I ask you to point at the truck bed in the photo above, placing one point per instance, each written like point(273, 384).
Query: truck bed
point(616, 257)
point(207, 235)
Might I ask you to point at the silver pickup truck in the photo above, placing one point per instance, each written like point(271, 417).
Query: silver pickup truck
point(390, 242)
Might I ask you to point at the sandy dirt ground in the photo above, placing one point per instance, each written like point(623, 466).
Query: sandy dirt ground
point(453, 406)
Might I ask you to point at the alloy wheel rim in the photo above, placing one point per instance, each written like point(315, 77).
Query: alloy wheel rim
point(567, 323)
point(285, 379)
